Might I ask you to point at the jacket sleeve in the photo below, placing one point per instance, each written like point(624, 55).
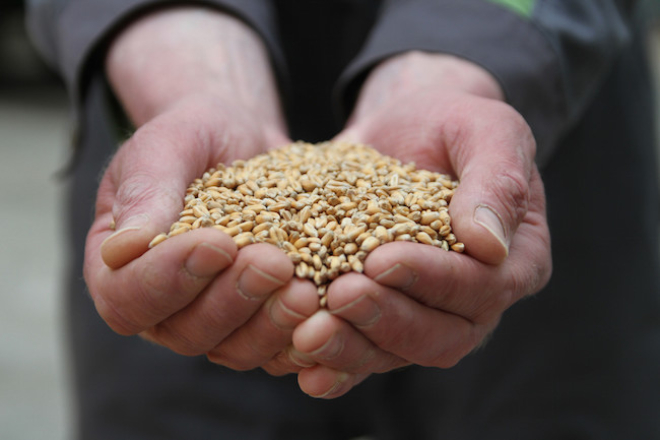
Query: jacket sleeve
point(71, 34)
point(550, 56)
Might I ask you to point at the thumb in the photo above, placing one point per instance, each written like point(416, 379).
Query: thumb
point(485, 222)
point(493, 196)
point(142, 193)
point(127, 242)
point(136, 220)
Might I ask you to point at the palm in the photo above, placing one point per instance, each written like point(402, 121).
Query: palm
point(195, 293)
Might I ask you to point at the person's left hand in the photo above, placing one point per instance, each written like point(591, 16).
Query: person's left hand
point(417, 304)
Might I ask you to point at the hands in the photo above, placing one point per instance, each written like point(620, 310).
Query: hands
point(195, 293)
point(417, 304)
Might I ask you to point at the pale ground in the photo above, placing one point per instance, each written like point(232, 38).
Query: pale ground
point(33, 391)
point(33, 402)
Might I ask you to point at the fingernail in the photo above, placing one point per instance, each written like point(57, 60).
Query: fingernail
point(399, 276)
point(283, 317)
point(122, 246)
point(340, 380)
point(300, 359)
point(485, 216)
point(330, 350)
point(362, 312)
point(206, 260)
point(254, 283)
point(133, 223)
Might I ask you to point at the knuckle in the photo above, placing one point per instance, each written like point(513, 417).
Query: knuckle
point(532, 278)
point(370, 359)
point(511, 188)
point(152, 287)
point(491, 310)
point(132, 192)
point(118, 320)
point(468, 337)
point(139, 190)
point(444, 359)
point(244, 353)
point(153, 293)
point(393, 340)
point(277, 368)
point(111, 305)
point(220, 358)
point(160, 292)
point(177, 341)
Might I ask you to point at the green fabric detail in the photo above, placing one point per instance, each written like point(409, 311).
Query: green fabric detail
point(521, 7)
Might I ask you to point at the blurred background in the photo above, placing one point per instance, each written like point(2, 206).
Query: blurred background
point(34, 136)
point(34, 131)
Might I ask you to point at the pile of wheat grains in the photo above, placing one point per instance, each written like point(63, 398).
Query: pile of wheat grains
point(325, 205)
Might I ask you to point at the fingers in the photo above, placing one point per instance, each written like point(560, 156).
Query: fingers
point(164, 280)
point(462, 285)
point(269, 331)
point(443, 280)
point(420, 304)
point(375, 329)
point(326, 383)
point(447, 115)
point(530, 265)
point(428, 307)
point(227, 303)
point(326, 339)
point(142, 192)
point(484, 142)
point(143, 189)
point(397, 324)
point(334, 357)
point(425, 305)
point(379, 331)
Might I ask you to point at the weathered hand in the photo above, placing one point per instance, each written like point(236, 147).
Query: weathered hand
point(417, 304)
point(194, 293)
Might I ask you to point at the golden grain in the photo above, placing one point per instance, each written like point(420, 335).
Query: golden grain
point(244, 239)
point(158, 239)
point(327, 206)
point(370, 244)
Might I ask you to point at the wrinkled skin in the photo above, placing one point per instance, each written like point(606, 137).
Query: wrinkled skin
point(197, 294)
point(417, 304)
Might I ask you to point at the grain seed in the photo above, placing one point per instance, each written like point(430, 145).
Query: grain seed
point(327, 206)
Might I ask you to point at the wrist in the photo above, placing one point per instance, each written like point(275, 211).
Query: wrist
point(175, 54)
point(417, 72)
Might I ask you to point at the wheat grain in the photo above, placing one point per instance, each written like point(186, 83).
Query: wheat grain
point(327, 206)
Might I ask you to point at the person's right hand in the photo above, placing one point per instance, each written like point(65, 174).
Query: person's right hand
point(194, 293)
